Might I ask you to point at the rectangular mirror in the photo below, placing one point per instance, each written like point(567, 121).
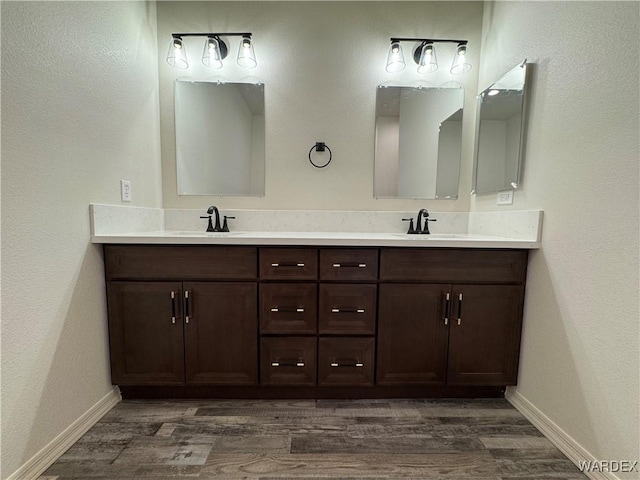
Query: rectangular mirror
point(219, 138)
point(500, 133)
point(418, 142)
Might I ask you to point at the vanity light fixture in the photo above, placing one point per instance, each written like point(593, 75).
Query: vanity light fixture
point(460, 64)
point(215, 50)
point(395, 58)
point(425, 55)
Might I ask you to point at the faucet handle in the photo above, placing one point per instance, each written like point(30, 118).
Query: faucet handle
point(210, 226)
point(225, 227)
point(411, 229)
point(426, 225)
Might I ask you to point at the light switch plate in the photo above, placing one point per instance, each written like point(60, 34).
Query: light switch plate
point(505, 198)
point(125, 190)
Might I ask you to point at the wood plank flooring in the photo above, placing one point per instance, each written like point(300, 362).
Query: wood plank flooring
point(323, 439)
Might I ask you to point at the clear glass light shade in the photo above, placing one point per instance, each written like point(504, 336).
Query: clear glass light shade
point(246, 55)
point(428, 62)
point(212, 55)
point(395, 59)
point(460, 65)
point(177, 55)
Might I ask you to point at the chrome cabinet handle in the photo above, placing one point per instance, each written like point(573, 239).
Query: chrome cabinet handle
point(173, 306)
point(356, 364)
point(287, 264)
point(347, 310)
point(187, 306)
point(447, 307)
point(279, 364)
point(350, 265)
point(288, 309)
point(459, 308)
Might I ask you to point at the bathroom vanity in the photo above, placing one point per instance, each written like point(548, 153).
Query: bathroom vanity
point(377, 319)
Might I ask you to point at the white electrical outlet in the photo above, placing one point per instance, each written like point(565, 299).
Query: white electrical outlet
point(505, 198)
point(125, 190)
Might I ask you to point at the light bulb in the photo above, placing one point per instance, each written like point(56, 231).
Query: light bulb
point(246, 55)
point(177, 55)
point(212, 55)
point(460, 64)
point(427, 61)
point(395, 58)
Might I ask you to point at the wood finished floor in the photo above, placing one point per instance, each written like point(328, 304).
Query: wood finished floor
point(324, 439)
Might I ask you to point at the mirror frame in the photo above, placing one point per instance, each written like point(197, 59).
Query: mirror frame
point(509, 184)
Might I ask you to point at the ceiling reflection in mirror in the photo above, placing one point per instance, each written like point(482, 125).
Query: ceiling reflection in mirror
point(500, 133)
point(220, 138)
point(418, 142)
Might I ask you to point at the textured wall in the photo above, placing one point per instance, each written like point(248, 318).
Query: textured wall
point(79, 113)
point(321, 63)
point(579, 362)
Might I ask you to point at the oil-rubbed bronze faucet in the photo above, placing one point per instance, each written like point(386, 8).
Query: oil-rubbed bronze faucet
point(217, 228)
point(419, 228)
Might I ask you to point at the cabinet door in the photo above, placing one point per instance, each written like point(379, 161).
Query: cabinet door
point(145, 333)
point(221, 332)
point(484, 338)
point(412, 335)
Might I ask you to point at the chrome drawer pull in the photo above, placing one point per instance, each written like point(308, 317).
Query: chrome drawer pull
point(358, 265)
point(278, 364)
point(288, 309)
point(347, 310)
point(287, 264)
point(357, 364)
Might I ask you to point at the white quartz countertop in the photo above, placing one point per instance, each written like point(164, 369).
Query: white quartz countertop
point(347, 239)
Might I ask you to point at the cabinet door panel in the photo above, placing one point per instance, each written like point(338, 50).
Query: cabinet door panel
point(412, 336)
point(146, 344)
point(222, 333)
point(484, 347)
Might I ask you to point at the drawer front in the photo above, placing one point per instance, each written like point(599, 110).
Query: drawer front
point(453, 265)
point(346, 361)
point(347, 309)
point(344, 264)
point(288, 361)
point(180, 262)
point(288, 308)
point(288, 263)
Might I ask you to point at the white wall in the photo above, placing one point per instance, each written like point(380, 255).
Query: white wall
point(321, 63)
point(79, 113)
point(579, 362)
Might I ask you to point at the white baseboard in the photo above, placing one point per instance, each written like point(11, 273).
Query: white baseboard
point(556, 435)
point(42, 460)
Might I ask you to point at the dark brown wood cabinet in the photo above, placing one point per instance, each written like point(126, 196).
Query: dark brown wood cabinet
point(484, 334)
point(462, 333)
point(314, 322)
point(182, 332)
point(146, 333)
point(412, 339)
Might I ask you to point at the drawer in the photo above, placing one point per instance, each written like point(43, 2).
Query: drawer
point(288, 263)
point(288, 361)
point(346, 361)
point(347, 309)
point(345, 264)
point(180, 262)
point(288, 308)
point(453, 265)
